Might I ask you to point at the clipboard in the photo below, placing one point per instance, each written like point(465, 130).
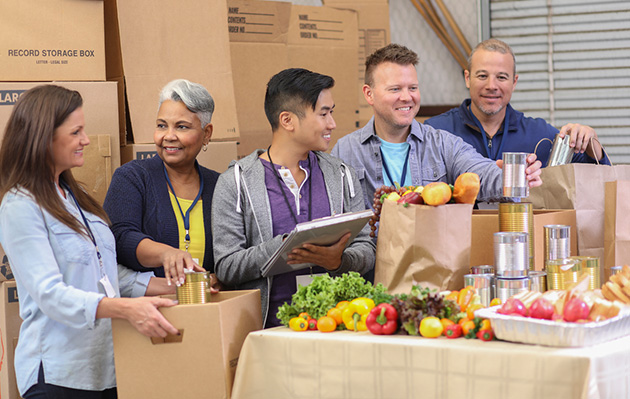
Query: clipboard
point(322, 231)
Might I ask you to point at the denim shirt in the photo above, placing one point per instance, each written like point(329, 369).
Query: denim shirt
point(57, 276)
point(435, 155)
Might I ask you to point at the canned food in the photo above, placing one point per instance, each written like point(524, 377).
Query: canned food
point(562, 272)
point(561, 151)
point(537, 281)
point(483, 285)
point(557, 242)
point(507, 287)
point(511, 254)
point(482, 269)
point(590, 265)
point(195, 288)
point(515, 184)
point(614, 270)
point(518, 217)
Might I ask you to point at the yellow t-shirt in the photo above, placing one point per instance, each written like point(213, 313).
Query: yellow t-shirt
point(197, 232)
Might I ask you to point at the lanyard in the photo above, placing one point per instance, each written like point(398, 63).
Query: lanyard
point(483, 133)
point(404, 171)
point(286, 199)
point(186, 216)
point(87, 225)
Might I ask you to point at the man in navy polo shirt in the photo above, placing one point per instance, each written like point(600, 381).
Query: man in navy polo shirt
point(488, 122)
point(261, 197)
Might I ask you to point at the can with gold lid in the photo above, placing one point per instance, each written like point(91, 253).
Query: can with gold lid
point(518, 217)
point(590, 265)
point(562, 272)
point(195, 288)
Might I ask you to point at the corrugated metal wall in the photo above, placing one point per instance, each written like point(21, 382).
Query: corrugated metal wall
point(573, 62)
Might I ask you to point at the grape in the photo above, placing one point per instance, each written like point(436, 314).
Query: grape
point(377, 205)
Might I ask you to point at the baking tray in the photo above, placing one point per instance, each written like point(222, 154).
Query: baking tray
point(556, 333)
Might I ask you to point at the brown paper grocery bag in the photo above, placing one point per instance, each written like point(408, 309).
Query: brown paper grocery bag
point(616, 226)
point(579, 187)
point(421, 244)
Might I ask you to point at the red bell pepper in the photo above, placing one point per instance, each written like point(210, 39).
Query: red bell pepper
point(453, 331)
point(382, 320)
point(411, 198)
point(485, 335)
point(312, 324)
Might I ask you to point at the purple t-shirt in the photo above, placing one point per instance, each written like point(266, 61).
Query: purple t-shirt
point(284, 285)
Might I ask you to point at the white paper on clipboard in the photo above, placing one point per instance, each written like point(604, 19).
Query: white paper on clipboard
point(323, 231)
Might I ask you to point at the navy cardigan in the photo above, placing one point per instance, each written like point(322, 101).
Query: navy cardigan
point(139, 207)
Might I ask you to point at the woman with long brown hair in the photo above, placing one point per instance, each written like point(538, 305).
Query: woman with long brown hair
point(63, 256)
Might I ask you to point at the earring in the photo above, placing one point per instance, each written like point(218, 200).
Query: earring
point(205, 147)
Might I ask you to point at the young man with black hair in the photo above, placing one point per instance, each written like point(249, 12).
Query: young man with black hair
point(261, 197)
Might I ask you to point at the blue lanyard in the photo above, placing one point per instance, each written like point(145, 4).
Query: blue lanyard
point(404, 171)
point(186, 216)
point(483, 133)
point(87, 225)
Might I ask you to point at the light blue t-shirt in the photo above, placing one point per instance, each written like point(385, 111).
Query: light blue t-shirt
point(395, 158)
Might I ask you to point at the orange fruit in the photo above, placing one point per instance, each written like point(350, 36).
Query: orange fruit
point(466, 188)
point(430, 327)
point(467, 326)
point(463, 320)
point(326, 324)
point(335, 313)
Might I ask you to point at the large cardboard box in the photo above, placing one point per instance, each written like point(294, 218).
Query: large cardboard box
point(96, 172)
point(217, 157)
point(147, 47)
point(486, 222)
point(202, 360)
point(100, 107)
point(374, 33)
point(267, 37)
point(43, 40)
point(10, 323)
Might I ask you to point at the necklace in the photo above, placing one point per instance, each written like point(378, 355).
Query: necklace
point(284, 195)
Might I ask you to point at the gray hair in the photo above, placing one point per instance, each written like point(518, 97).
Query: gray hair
point(194, 96)
point(495, 45)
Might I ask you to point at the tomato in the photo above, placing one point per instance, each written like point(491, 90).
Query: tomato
point(430, 327)
point(298, 324)
point(335, 313)
point(326, 324)
point(470, 311)
point(445, 323)
point(467, 326)
point(495, 302)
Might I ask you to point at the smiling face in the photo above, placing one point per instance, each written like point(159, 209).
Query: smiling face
point(491, 81)
point(313, 130)
point(69, 139)
point(178, 134)
point(394, 96)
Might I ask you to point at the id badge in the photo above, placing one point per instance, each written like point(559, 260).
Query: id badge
point(306, 279)
point(109, 288)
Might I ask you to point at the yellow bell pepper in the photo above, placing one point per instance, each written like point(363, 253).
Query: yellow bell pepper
point(355, 314)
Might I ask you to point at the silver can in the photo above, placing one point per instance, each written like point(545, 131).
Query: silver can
point(482, 284)
point(482, 269)
point(614, 270)
point(511, 254)
point(561, 151)
point(557, 243)
point(515, 183)
point(537, 281)
point(507, 287)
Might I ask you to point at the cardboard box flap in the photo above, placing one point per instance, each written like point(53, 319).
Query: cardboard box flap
point(258, 21)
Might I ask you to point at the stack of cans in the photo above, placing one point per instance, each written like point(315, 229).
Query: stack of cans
point(518, 217)
point(511, 261)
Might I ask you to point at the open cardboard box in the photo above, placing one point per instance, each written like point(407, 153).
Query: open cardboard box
point(486, 222)
point(200, 363)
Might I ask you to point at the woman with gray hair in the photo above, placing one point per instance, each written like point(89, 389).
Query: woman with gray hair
point(160, 207)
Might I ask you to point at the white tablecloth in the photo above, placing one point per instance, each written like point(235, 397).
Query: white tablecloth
point(280, 363)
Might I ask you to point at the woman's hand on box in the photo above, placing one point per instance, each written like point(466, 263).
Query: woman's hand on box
point(143, 314)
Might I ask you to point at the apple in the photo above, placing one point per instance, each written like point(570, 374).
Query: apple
point(541, 309)
point(575, 310)
point(513, 306)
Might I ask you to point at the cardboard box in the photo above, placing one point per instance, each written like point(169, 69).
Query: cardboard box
point(146, 48)
point(100, 107)
point(96, 172)
point(52, 40)
point(201, 361)
point(374, 33)
point(218, 156)
point(10, 323)
point(267, 37)
point(486, 222)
